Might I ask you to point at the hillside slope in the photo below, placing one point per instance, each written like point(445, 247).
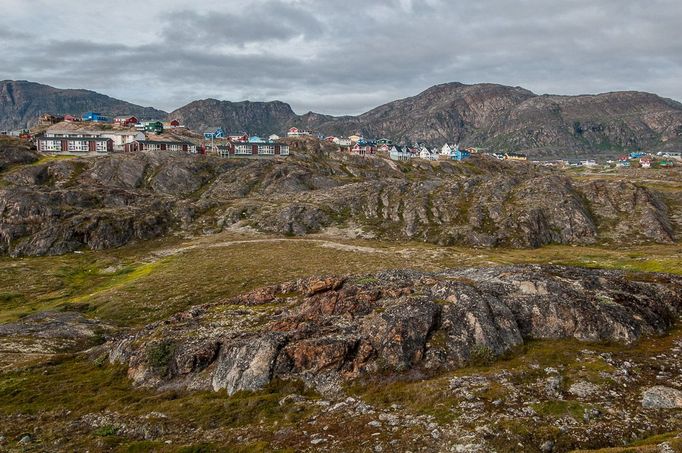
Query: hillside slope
point(22, 102)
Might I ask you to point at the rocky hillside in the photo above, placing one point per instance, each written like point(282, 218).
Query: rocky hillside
point(22, 102)
point(484, 115)
point(324, 331)
point(380, 351)
point(57, 206)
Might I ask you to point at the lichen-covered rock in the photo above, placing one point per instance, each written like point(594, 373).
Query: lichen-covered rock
point(661, 397)
point(325, 330)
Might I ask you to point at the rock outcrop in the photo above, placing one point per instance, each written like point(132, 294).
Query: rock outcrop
point(325, 331)
point(63, 205)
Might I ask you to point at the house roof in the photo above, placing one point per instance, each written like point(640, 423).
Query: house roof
point(160, 142)
point(77, 139)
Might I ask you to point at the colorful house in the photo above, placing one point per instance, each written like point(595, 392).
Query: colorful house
point(71, 119)
point(296, 132)
point(645, 162)
point(384, 141)
point(460, 154)
point(238, 137)
point(126, 120)
point(637, 155)
point(256, 139)
point(95, 117)
point(363, 149)
point(155, 127)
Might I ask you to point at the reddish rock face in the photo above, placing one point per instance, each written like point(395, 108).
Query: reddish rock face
point(330, 329)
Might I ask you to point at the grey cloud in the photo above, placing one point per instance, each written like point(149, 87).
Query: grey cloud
point(262, 22)
point(346, 57)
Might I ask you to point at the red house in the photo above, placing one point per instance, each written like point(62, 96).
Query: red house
point(239, 137)
point(126, 120)
point(71, 118)
point(363, 150)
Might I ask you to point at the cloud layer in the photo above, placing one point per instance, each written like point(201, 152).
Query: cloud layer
point(339, 57)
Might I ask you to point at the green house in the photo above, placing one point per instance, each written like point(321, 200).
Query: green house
point(154, 126)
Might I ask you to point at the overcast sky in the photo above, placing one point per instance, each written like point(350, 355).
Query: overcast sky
point(339, 56)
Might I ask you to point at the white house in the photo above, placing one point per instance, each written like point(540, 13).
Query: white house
point(273, 137)
point(118, 138)
point(399, 153)
point(296, 132)
point(446, 150)
point(343, 142)
point(427, 154)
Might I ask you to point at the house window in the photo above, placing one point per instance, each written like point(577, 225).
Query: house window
point(78, 146)
point(266, 150)
point(243, 149)
point(284, 150)
point(101, 147)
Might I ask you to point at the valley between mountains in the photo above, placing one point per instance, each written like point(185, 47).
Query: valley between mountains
point(158, 302)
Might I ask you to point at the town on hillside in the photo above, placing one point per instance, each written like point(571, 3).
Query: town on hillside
point(94, 134)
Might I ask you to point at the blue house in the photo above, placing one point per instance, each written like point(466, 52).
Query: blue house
point(93, 116)
point(637, 155)
point(459, 154)
point(214, 132)
point(256, 139)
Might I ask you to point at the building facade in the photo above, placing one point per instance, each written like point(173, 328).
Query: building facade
point(74, 145)
point(154, 145)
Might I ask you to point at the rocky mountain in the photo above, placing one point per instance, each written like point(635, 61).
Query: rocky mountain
point(22, 102)
point(59, 206)
point(263, 118)
point(483, 115)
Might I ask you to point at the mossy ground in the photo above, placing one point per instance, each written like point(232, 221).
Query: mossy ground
point(137, 284)
point(134, 285)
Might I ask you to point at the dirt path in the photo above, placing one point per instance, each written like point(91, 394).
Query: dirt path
point(321, 242)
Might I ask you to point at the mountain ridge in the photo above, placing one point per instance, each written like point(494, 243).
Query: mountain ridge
point(22, 102)
point(484, 115)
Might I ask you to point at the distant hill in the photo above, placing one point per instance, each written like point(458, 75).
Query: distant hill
point(485, 115)
point(492, 116)
point(22, 102)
